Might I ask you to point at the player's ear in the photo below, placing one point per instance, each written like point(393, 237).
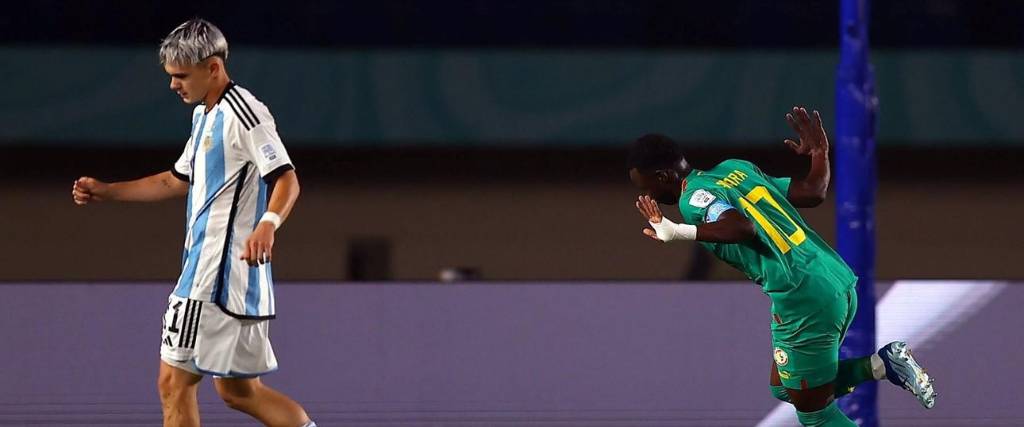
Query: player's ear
point(214, 65)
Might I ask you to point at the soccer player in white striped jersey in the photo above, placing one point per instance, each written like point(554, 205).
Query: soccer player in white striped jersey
point(240, 186)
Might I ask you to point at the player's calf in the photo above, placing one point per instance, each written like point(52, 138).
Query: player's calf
point(778, 390)
point(817, 407)
point(270, 407)
point(829, 416)
point(856, 371)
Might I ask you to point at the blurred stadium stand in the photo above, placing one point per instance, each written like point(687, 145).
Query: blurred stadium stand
point(472, 133)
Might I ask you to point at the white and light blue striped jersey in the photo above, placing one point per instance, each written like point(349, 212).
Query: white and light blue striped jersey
point(232, 154)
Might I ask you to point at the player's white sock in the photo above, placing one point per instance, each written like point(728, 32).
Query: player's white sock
point(877, 367)
point(309, 424)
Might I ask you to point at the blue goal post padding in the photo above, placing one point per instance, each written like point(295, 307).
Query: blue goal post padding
point(855, 183)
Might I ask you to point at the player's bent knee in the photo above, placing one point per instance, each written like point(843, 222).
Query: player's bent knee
point(804, 404)
point(169, 389)
point(167, 392)
point(780, 393)
point(812, 400)
point(236, 394)
point(811, 405)
point(163, 383)
point(234, 402)
point(174, 384)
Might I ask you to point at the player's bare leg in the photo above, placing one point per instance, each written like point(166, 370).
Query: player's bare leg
point(812, 399)
point(778, 390)
point(251, 396)
point(178, 396)
point(816, 407)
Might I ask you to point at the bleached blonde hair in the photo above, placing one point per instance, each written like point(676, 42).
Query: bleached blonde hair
point(193, 42)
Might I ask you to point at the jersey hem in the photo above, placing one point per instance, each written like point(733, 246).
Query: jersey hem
point(273, 175)
point(244, 316)
point(230, 374)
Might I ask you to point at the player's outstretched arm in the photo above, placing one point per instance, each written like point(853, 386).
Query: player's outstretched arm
point(809, 191)
point(152, 188)
point(731, 226)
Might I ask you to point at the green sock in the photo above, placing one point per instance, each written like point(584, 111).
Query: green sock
point(851, 373)
point(831, 416)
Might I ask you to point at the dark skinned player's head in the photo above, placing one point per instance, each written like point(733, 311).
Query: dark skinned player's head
point(657, 167)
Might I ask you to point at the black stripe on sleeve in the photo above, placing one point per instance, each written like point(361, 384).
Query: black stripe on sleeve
point(237, 101)
point(179, 175)
point(273, 175)
point(226, 89)
point(238, 113)
point(241, 100)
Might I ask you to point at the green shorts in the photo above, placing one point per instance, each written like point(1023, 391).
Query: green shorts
point(806, 342)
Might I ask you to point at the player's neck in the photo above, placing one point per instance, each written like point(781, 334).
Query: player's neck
point(216, 91)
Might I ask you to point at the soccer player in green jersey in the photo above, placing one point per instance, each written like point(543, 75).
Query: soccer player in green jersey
point(749, 220)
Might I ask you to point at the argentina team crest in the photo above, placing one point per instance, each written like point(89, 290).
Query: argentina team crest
point(781, 358)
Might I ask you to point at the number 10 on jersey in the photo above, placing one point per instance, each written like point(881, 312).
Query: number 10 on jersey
point(759, 194)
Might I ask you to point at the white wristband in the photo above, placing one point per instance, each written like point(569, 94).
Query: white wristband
point(272, 218)
point(668, 231)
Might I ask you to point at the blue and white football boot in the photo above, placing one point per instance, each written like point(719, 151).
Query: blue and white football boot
point(901, 369)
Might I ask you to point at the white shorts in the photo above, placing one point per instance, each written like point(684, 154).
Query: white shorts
point(200, 338)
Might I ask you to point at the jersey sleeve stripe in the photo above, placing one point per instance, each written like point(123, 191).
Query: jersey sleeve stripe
point(238, 113)
point(273, 175)
point(241, 100)
point(179, 175)
point(234, 97)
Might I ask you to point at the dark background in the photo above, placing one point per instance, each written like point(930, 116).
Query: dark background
point(533, 210)
point(596, 24)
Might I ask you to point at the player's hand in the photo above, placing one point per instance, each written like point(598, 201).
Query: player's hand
point(86, 189)
point(259, 244)
point(813, 139)
point(651, 212)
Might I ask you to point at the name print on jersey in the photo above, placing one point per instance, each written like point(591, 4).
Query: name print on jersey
point(732, 180)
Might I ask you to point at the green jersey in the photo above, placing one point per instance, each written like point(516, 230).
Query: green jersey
point(787, 259)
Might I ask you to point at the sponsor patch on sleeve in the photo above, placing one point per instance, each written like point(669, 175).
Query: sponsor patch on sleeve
point(268, 152)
